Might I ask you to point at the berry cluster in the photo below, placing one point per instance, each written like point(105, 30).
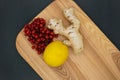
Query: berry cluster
point(38, 35)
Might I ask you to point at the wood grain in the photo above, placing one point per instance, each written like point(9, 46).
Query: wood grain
point(100, 59)
point(116, 58)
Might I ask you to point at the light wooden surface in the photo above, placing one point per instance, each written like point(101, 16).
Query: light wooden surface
point(100, 59)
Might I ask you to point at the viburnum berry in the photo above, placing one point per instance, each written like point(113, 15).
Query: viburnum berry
point(39, 35)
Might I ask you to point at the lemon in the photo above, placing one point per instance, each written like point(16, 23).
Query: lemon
point(55, 54)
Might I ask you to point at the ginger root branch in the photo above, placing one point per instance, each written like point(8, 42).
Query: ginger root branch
point(71, 32)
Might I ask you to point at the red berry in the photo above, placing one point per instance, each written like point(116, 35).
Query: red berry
point(51, 36)
point(43, 31)
point(55, 35)
point(33, 31)
point(38, 40)
point(47, 31)
point(46, 36)
point(41, 25)
point(40, 35)
point(33, 47)
point(52, 33)
point(36, 36)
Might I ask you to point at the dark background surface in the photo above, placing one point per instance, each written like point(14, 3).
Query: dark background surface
point(15, 13)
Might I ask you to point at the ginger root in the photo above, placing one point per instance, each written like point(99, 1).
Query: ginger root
point(71, 32)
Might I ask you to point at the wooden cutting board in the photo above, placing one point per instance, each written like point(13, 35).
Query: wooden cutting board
point(100, 59)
